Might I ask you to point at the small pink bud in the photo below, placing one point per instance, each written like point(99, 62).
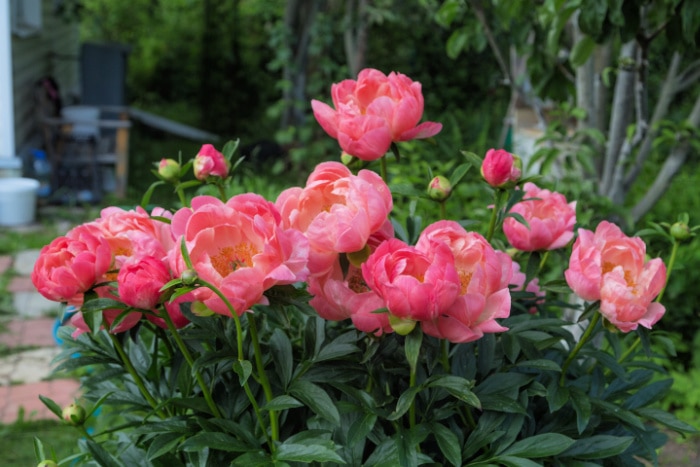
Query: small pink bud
point(439, 188)
point(210, 163)
point(169, 169)
point(501, 169)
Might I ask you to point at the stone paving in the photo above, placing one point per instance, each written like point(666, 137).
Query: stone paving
point(29, 347)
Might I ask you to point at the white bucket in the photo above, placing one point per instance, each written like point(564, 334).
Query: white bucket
point(17, 201)
point(82, 115)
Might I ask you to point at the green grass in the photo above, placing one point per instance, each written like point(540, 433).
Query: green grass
point(17, 441)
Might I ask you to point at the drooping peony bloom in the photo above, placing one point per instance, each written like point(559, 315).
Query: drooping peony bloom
point(413, 285)
point(71, 265)
point(139, 282)
point(240, 247)
point(611, 267)
point(373, 112)
point(518, 282)
point(209, 162)
point(483, 274)
point(551, 220)
point(501, 168)
point(337, 211)
point(338, 296)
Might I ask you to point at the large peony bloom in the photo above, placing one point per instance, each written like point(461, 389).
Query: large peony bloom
point(483, 274)
point(551, 220)
point(373, 112)
point(337, 211)
point(414, 286)
point(340, 295)
point(611, 267)
point(240, 247)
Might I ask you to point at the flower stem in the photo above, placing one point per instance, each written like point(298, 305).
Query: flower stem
point(494, 215)
point(188, 356)
point(262, 375)
point(412, 409)
point(445, 355)
point(134, 374)
point(629, 351)
point(383, 170)
point(443, 210)
point(671, 261)
point(584, 338)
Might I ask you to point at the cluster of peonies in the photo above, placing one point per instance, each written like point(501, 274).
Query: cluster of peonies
point(334, 235)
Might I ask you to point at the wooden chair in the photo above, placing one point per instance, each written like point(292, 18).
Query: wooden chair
point(81, 140)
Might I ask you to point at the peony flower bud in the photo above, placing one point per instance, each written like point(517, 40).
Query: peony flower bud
point(439, 188)
point(501, 169)
point(681, 232)
point(74, 414)
point(169, 169)
point(210, 163)
point(189, 276)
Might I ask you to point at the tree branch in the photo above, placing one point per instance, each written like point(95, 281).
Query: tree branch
point(481, 16)
point(669, 170)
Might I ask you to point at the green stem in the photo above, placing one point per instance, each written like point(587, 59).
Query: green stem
point(543, 260)
point(222, 192)
point(671, 261)
point(190, 361)
point(494, 215)
point(262, 375)
point(136, 377)
point(181, 195)
point(443, 210)
point(584, 338)
point(383, 170)
point(445, 355)
point(412, 409)
point(629, 351)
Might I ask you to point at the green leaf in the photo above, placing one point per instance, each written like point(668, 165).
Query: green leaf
point(100, 304)
point(448, 443)
point(341, 346)
point(360, 428)
point(315, 398)
point(557, 396)
point(473, 159)
point(581, 51)
point(306, 453)
point(543, 445)
point(101, 456)
point(252, 459)
point(582, 405)
point(282, 402)
point(405, 401)
point(230, 148)
point(501, 403)
point(459, 173)
point(618, 412)
point(591, 16)
point(648, 394)
point(666, 419)
point(243, 369)
point(39, 449)
point(213, 440)
point(282, 356)
point(163, 444)
point(456, 42)
point(511, 461)
point(598, 447)
point(539, 364)
point(146, 198)
point(458, 387)
point(52, 406)
point(412, 346)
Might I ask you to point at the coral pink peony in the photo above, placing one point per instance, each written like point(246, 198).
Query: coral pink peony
point(139, 282)
point(413, 285)
point(483, 274)
point(337, 211)
point(339, 295)
point(71, 265)
point(240, 248)
point(210, 163)
point(611, 267)
point(551, 220)
point(373, 112)
point(501, 168)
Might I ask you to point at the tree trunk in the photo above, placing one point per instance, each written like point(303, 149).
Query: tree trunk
point(355, 36)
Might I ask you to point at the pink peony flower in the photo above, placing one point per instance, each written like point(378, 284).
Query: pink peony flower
point(483, 274)
point(501, 168)
point(611, 267)
point(339, 296)
point(518, 282)
point(337, 211)
point(139, 282)
point(413, 285)
point(373, 112)
point(71, 265)
point(550, 218)
point(210, 163)
point(240, 248)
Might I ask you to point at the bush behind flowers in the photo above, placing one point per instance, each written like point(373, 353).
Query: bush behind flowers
point(316, 329)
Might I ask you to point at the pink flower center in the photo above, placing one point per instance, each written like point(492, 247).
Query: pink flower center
point(230, 258)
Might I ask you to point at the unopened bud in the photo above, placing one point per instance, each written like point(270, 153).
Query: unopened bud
point(74, 414)
point(501, 169)
point(401, 326)
point(680, 231)
point(439, 188)
point(189, 276)
point(169, 169)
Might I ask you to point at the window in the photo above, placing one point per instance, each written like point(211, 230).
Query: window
point(25, 17)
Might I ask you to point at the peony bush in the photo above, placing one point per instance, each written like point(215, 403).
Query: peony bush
point(310, 329)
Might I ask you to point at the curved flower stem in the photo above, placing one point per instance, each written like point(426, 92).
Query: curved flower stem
point(584, 338)
point(190, 361)
point(262, 375)
point(239, 342)
point(671, 261)
point(134, 374)
point(629, 351)
point(181, 196)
